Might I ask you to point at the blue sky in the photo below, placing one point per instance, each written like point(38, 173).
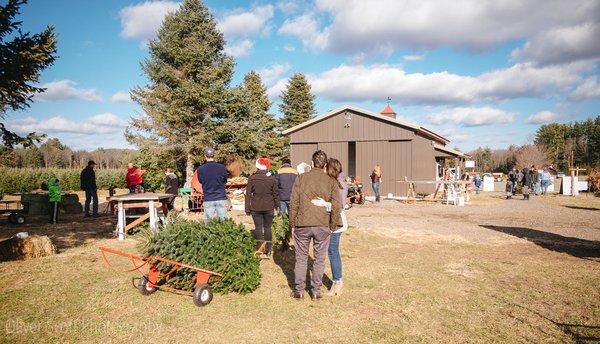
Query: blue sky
point(481, 73)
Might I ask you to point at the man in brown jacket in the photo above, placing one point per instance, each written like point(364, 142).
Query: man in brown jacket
point(313, 222)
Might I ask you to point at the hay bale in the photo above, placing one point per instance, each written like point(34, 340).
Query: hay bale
point(34, 246)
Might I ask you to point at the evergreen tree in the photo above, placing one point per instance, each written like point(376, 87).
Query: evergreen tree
point(21, 61)
point(189, 75)
point(270, 141)
point(245, 124)
point(33, 157)
point(297, 103)
point(581, 138)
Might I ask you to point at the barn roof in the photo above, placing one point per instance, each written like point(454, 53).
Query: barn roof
point(423, 131)
point(450, 151)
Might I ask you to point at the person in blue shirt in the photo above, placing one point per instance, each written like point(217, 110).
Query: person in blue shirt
point(546, 180)
point(213, 177)
point(477, 182)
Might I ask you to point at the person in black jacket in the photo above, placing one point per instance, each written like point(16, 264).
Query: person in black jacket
point(88, 184)
point(526, 183)
point(171, 186)
point(262, 199)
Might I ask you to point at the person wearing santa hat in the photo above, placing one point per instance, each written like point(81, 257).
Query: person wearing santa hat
point(262, 199)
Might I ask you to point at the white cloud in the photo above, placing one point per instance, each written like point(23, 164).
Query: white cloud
point(121, 97)
point(287, 6)
point(588, 89)
point(472, 117)
point(307, 29)
point(383, 25)
point(239, 49)
point(275, 91)
point(561, 44)
point(142, 21)
point(544, 117)
point(107, 120)
point(289, 48)
point(97, 124)
point(65, 89)
point(413, 57)
point(247, 23)
point(270, 74)
point(371, 82)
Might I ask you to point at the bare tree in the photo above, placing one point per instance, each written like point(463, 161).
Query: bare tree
point(531, 154)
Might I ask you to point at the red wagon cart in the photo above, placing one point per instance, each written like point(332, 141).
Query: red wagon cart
point(150, 282)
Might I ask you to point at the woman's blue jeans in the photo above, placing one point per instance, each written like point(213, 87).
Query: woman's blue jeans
point(376, 189)
point(545, 184)
point(334, 256)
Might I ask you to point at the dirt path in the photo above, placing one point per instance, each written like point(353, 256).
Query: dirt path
point(496, 221)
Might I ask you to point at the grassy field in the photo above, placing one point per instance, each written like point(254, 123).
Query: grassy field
point(399, 288)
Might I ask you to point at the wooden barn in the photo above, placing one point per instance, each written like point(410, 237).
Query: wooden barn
point(360, 139)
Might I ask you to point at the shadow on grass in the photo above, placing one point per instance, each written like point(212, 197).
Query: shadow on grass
point(580, 248)
point(582, 208)
point(72, 230)
point(580, 333)
point(286, 260)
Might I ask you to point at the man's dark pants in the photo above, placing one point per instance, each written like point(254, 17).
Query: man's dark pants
point(89, 196)
point(302, 237)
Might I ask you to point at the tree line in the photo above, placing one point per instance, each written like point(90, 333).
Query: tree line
point(53, 154)
point(563, 146)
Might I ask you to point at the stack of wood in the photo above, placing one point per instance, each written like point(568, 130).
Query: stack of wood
point(237, 181)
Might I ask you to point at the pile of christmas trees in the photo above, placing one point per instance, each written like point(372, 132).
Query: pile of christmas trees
point(221, 246)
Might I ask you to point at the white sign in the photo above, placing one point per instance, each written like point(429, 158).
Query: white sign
point(470, 163)
point(488, 183)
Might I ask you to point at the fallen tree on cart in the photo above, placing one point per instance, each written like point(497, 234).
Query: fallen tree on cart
point(223, 246)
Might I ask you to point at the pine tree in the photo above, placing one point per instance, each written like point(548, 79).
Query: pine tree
point(270, 141)
point(297, 103)
point(245, 124)
point(189, 77)
point(22, 60)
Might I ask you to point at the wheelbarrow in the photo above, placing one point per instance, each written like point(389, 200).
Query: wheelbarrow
point(150, 282)
point(15, 210)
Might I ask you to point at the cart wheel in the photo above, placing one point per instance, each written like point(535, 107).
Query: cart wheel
point(144, 288)
point(202, 295)
point(12, 218)
point(20, 219)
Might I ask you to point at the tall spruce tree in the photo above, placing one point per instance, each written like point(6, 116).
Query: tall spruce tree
point(22, 59)
point(270, 143)
point(297, 103)
point(189, 77)
point(245, 123)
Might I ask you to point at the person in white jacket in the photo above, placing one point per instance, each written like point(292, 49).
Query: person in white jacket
point(334, 170)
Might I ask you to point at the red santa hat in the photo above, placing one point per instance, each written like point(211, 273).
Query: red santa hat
point(263, 164)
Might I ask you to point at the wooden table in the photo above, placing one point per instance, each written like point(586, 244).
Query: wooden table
point(151, 201)
point(452, 191)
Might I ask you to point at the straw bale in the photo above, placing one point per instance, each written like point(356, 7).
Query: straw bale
point(34, 246)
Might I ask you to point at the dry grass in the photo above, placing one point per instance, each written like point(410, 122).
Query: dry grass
point(584, 201)
point(399, 287)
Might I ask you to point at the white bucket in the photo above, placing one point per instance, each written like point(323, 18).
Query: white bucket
point(459, 201)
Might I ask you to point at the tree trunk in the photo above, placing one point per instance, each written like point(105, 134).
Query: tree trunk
point(189, 169)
